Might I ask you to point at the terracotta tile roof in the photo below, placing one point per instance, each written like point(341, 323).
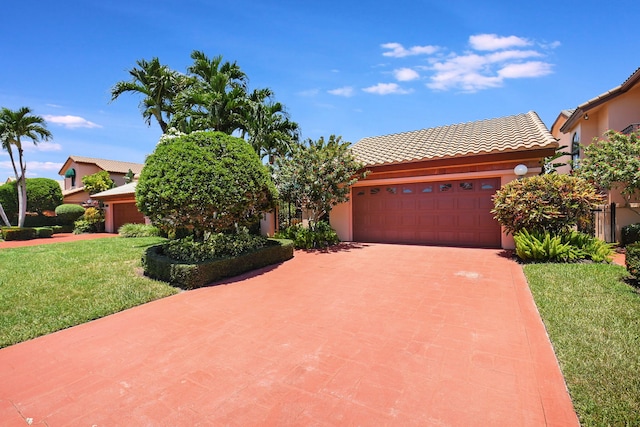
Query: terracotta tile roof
point(114, 166)
point(505, 134)
point(126, 189)
point(579, 112)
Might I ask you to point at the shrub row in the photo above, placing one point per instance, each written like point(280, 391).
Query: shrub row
point(194, 275)
point(217, 245)
point(138, 230)
point(630, 234)
point(563, 247)
point(321, 235)
point(25, 233)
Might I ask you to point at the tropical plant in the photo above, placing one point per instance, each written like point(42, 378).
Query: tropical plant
point(550, 202)
point(204, 181)
point(551, 164)
point(317, 236)
point(613, 162)
point(566, 247)
point(14, 126)
point(92, 221)
point(158, 84)
point(215, 97)
point(97, 182)
point(318, 175)
point(138, 230)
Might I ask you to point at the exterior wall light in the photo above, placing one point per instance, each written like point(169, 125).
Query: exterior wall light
point(520, 170)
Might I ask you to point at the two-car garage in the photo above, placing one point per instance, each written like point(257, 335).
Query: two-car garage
point(436, 212)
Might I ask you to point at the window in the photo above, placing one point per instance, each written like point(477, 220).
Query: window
point(487, 186)
point(575, 151)
point(407, 190)
point(391, 190)
point(427, 189)
point(466, 186)
point(360, 193)
point(374, 191)
point(446, 187)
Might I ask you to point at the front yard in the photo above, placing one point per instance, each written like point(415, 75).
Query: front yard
point(593, 320)
point(51, 287)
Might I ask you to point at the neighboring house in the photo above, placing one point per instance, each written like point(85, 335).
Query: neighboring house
point(77, 167)
point(617, 109)
point(435, 186)
point(120, 207)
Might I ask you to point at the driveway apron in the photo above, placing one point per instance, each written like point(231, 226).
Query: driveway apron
point(367, 335)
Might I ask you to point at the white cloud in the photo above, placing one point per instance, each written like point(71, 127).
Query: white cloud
point(386, 89)
point(399, 51)
point(405, 74)
point(495, 42)
point(309, 92)
point(346, 91)
point(42, 146)
point(71, 122)
point(34, 166)
point(524, 70)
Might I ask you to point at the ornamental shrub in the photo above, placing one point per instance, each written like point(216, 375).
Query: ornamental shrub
point(567, 247)
point(67, 214)
point(318, 236)
point(632, 260)
point(551, 202)
point(92, 221)
point(207, 182)
point(630, 234)
point(43, 194)
point(214, 246)
point(17, 233)
point(138, 230)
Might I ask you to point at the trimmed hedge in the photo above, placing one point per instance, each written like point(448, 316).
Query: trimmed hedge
point(68, 213)
point(43, 232)
point(195, 275)
point(632, 260)
point(17, 233)
point(630, 234)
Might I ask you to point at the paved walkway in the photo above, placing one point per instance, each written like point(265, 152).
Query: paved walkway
point(56, 238)
point(371, 335)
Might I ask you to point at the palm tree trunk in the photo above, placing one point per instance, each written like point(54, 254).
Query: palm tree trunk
point(4, 217)
point(22, 190)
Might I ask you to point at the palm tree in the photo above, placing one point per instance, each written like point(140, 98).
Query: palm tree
point(15, 125)
point(267, 124)
point(216, 98)
point(159, 84)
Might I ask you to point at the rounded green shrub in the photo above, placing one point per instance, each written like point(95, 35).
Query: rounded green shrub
point(204, 181)
point(67, 214)
point(43, 194)
point(551, 202)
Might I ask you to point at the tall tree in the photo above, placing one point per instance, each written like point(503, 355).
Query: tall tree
point(14, 126)
point(159, 84)
point(267, 127)
point(215, 99)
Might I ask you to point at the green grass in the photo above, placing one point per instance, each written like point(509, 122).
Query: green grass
point(51, 287)
point(593, 320)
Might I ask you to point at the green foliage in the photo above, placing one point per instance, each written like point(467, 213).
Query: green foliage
point(67, 214)
point(550, 164)
point(319, 235)
point(613, 163)
point(632, 259)
point(194, 275)
point(630, 234)
point(92, 221)
point(567, 247)
point(43, 232)
point(138, 230)
point(43, 194)
point(217, 245)
point(9, 200)
point(18, 233)
point(204, 181)
point(549, 202)
point(97, 182)
point(318, 175)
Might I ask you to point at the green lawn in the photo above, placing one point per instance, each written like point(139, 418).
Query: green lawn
point(593, 320)
point(51, 287)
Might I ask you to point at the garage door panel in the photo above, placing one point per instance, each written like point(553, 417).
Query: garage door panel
point(444, 213)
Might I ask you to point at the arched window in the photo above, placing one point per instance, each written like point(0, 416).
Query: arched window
point(575, 151)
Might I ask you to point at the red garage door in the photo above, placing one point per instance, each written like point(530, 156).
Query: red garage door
point(454, 213)
point(126, 213)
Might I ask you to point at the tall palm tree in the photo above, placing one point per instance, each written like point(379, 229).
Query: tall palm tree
point(216, 98)
point(14, 126)
point(159, 84)
point(267, 125)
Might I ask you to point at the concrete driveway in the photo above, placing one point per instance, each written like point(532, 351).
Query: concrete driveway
point(370, 335)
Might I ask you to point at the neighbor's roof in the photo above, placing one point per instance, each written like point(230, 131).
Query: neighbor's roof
point(601, 99)
point(123, 190)
point(505, 134)
point(114, 166)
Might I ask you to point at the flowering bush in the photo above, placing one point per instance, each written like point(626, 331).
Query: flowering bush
point(551, 202)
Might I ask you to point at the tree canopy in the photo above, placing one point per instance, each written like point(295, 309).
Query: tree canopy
point(204, 181)
point(318, 175)
point(97, 182)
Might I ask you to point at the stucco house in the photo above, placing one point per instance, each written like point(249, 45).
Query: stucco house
point(120, 207)
point(435, 186)
point(77, 167)
point(617, 109)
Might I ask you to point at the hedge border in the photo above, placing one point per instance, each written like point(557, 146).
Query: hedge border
point(195, 275)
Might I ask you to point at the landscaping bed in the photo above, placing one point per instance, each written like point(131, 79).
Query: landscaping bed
point(194, 275)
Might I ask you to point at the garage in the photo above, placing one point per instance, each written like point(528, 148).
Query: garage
point(126, 213)
point(449, 213)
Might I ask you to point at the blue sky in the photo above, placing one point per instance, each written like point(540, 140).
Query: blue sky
point(354, 69)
